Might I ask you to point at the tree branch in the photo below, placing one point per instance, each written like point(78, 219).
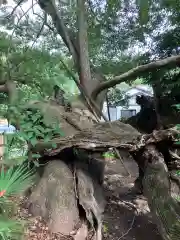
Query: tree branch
point(135, 72)
point(41, 29)
point(70, 41)
point(14, 9)
point(46, 24)
point(90, 102)
point(50, 8)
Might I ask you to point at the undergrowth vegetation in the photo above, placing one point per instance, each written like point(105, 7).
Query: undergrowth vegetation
point(13, 182)
point(15, 176)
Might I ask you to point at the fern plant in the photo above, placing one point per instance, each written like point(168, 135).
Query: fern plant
point(12, 182)
point(10, 229)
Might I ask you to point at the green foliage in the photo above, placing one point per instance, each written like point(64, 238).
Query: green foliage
point(15, 180)
point(105, 228)
point(33, 126)
point(143, 11)
point(109, 154)
point(178, 128)
point(115, 39)
point(15, 149)
point(10, 229)
point(116, 97)
point(12, 182)
point(37, 69)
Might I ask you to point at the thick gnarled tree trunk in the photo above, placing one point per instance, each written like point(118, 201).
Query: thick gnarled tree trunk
point(96, 139)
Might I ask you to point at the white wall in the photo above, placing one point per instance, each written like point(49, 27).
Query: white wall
point(115, 112)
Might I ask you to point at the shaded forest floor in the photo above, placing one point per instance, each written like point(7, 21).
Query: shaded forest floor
point(126, 215)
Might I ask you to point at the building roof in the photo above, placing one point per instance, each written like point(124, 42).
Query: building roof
point(140, 89)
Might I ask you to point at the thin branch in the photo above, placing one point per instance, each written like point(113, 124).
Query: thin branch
point(51, 28)
point(50, 8)
point(24, 13)
point(16, 67)
point(101, 22)
point(174, 155)
point(43, 19)
point(135, 72)
point(120, 158)
point(14, 9)
point(41, 29)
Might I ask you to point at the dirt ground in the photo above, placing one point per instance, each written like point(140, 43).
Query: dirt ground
point(126, 215)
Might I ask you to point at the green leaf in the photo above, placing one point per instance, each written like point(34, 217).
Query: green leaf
point(29, 113)
point(27, 125)
point(10, 229)
point(54, 145)
point(23, 135)
point(47, 130)
point(36, 163)
point(35, 117)
point(33, 141)
point(36, 155)
point(41, 129)
point(177, 106)
point(20, 159)
point(15, 179)
point(143, 11)
point(30, 134)
point(36, 131)
point(61, 133)
point(47, 139)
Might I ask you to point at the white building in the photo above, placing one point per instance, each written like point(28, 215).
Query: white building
point(132, 107)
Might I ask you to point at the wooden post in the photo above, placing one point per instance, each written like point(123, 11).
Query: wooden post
point(2, 139)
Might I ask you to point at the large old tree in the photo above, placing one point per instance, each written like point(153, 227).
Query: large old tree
point(68, 193)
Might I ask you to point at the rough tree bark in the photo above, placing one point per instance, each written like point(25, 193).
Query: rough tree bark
point(137, 71)
point(156, 105)
point(88, 75)
point(85, 71)
point(81, 204)
point(164, 207)
point(93, 82)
